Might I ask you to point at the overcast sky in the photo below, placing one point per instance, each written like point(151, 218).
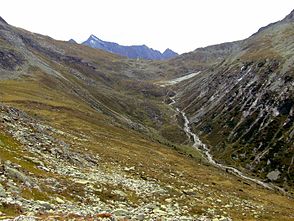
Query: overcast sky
point(182, 25)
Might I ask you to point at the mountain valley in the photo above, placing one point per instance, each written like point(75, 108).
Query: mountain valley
point(90, 135)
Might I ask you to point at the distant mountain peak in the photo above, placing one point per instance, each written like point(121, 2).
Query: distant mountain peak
point(290, 17)
point(168, 50)
point(94, 37)
point(3, 21)
point(95, 42)
point(168, 53)
point(72, 41)
point(134, 51)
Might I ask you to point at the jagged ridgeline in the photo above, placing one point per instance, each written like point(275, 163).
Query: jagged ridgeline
point(86, 134)
point(134, 51)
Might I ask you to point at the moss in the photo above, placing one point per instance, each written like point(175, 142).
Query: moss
point(34, 194)
point(72, 192)
point(7, 141)
point(174, 134)
point(10, 209)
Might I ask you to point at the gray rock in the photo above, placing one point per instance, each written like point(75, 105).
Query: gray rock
point(168, 200)
point(119, 193)
point(189, 192)
point(59, 200)
point(225, 219)
point(128, 169)
point(159, 212)
point(2, 191)
point(25, 218)
point(274, 175)
point(139, 217)
point(120, 212)
point(45, 205)
point(151, 206)
point(7, 163)
point(34, 160)
point(12, 187)
point(15, 174)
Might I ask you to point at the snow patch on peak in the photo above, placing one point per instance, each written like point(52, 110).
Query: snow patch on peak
point(93, 37)
point(92, 42)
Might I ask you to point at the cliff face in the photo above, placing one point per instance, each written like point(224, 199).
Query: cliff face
point(243, 107)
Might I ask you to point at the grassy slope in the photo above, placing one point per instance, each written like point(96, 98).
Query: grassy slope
point(128, 148)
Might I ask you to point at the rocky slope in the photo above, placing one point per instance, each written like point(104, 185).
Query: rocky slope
point(48, 173)
point(135, 51)
point(243, 105)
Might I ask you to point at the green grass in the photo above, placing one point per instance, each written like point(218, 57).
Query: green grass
point(10, 210)
point(35, 194)
point(11, 150)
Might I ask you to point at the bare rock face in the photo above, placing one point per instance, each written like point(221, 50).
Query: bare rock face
point(2, 20)
point(10, 60)
point(290, 17)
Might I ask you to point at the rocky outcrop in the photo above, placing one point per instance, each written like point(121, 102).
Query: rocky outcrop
point(10, 60)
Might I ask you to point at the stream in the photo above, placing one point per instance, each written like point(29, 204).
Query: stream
point(204, 150)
